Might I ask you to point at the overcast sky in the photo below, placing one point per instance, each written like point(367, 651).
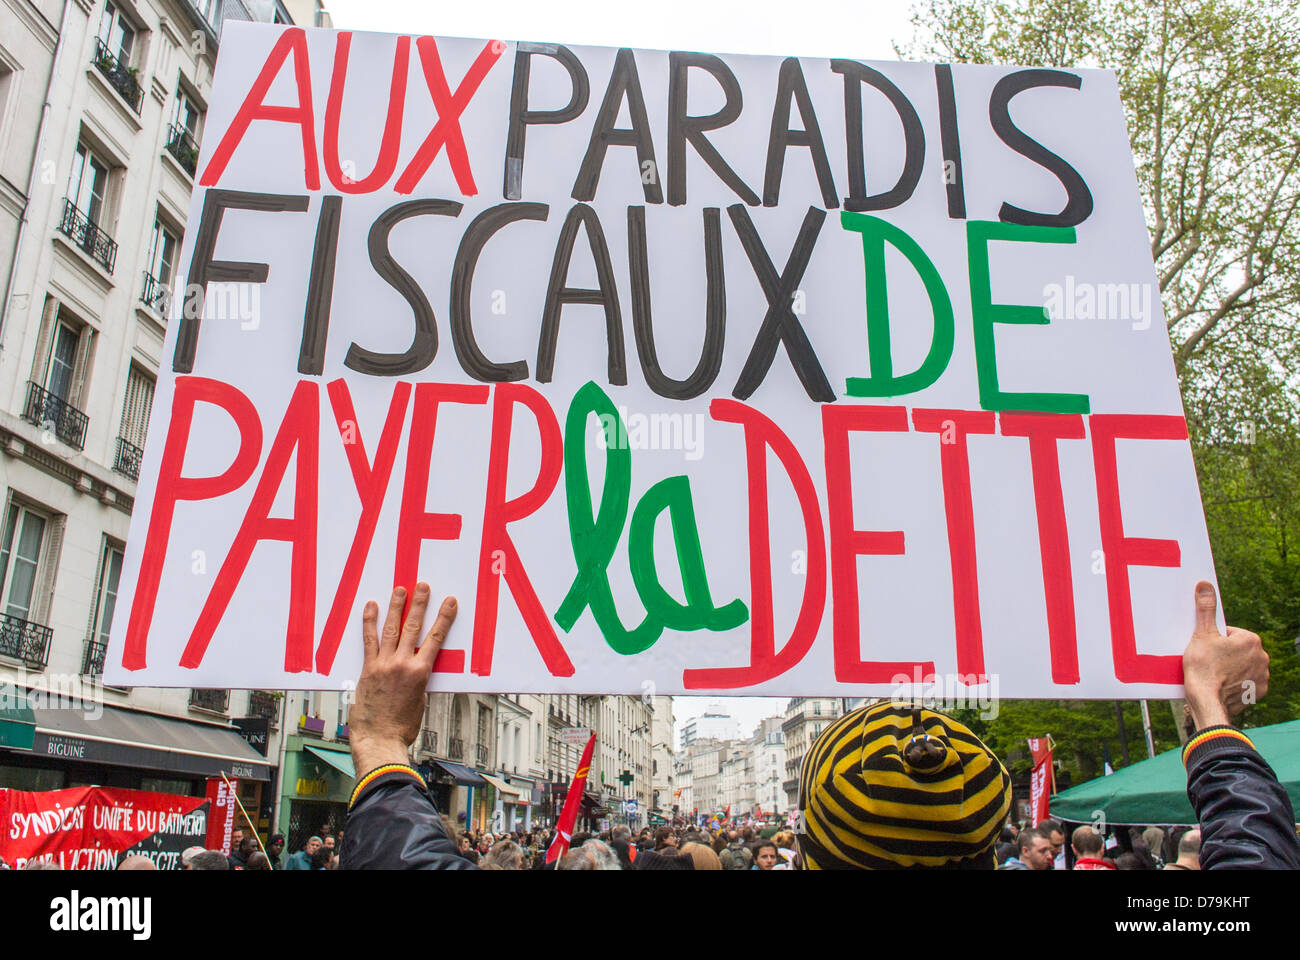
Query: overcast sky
point(809, 28)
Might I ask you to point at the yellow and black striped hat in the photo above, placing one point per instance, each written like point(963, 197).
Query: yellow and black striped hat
point(889, 786)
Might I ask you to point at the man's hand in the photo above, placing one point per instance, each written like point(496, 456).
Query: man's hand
point(1222, 674)
point(385, 719)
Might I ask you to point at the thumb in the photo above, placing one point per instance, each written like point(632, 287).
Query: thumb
point(1206, 606)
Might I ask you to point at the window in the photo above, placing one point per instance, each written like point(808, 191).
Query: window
point(207, 9)
point(183, 138)
point(88, 186)
point(116, 34)
point(135, 423)
point(110, 570)
point(159, 274)
point(61, 373)
point(20, 559)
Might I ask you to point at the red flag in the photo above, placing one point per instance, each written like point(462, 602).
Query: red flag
point(1040, 779)
point(569, 815)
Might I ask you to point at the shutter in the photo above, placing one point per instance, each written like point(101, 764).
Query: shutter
point(136, 408)
point(81, 373)
point(43, 599)
point(41, 360)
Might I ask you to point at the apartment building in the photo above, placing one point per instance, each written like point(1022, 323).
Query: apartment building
point(805, 719)
point(102, 106)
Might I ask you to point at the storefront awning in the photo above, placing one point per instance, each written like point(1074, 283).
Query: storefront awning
point(17, 722)
point(461, 773)
point(340, 761)
point(131, 738)
point(509, 794)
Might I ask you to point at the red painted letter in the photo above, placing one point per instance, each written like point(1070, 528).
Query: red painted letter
point(1043, 431)
point(416, 524)
point(496, 540)
point(847, 543)
point(299, 435)
point(292, 41)
point(172, 487)
point(1121, 552)
point(371, 483)
point(952, 427)
point(386, 162)
point(761, 434)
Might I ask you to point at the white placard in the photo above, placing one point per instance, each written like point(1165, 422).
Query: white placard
point(683, 373)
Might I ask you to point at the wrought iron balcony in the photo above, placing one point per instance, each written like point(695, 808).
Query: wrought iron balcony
point(456, 749)
point(127, 461)
point(55, 414)
point(87, 235)
point(218, 701)
point(481, 755)
point(120, 76)
point(156, 294)
point(182, 146)
point(26, 641)
point(92, 663)
point(264, 704)
point(429, 741)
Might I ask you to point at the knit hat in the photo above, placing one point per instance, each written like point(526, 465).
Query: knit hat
point(897, 785)
point(650, 860)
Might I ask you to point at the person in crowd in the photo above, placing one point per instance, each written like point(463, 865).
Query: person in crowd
point(258, 861)
point(1034, 851)
point(302, 859)
point(187, 855)
point(1089, 850)
point(137, 862)
point(1055, 834)
point(602, 857)
point(1154, 838)
point(274, 849)
point(666, 859)
point(321, 859)
point(665, 837)
point(702, 856)
point(239, 855)
point(575, 860)
point(505, 855)
point(210, 860)
point(785, 845)
point(736, 855)
point(1007, 847)
point(765, 855)
point(1245, 816)
point(236, 838)
point(465, 849)
point(1189, 852)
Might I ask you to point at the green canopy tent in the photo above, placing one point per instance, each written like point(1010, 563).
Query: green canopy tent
point(1155, 791)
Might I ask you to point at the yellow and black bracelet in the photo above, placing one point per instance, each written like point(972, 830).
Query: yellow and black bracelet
point(375, 774)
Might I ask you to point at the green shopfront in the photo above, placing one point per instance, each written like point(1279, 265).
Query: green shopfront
point(317, 781)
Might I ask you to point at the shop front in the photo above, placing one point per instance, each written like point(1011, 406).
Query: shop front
point(44, 748)
point(316, 786)
point(513, 810)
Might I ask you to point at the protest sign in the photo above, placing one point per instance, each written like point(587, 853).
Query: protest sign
point(95, 828)
point(683, 373)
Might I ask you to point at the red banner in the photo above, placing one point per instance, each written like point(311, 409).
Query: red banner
point(569, 815)
point(94, 828)
point(1041, 784)
point(221, 823)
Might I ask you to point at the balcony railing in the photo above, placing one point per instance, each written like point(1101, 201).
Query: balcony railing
point(54, 413)
point(263, 704)
point(182, 146)
point(456, 749)
point(87, 235)
point(127, 461)
point(313, 725)
point(26, 641)
point(481, 755)
point(429, 741)
point(92, 662)
point(218, 701)
point(156, 294)
point(120, 76)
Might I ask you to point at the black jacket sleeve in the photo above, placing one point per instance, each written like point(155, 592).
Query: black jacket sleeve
point(393, 825)
point(1245, 815)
